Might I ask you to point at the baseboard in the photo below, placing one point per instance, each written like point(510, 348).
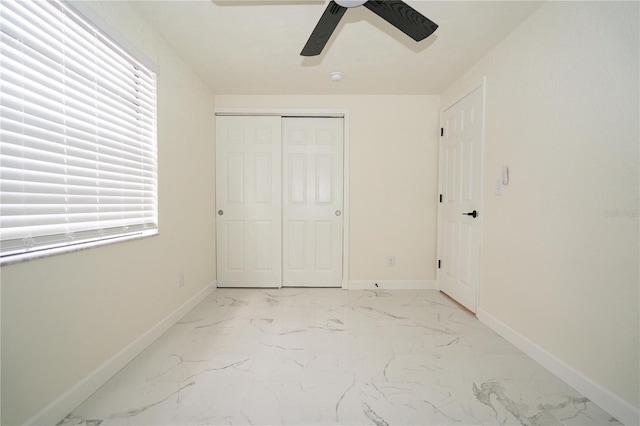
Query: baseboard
point(61, 407)
point(604, 398)
point(393, 285)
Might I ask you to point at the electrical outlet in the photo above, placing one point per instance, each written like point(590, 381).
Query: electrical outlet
point(181, 279)
point(391, 261)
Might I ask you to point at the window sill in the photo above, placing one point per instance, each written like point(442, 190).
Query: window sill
point(27, 257)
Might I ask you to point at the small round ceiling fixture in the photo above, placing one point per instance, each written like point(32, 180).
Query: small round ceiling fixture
point(336, 76)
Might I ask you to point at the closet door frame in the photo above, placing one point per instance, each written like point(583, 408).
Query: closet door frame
point(295, 112)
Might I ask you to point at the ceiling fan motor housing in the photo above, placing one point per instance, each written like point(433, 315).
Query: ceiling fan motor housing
point(350, 3)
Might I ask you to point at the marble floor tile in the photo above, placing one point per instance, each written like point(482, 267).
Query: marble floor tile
point(333, 357)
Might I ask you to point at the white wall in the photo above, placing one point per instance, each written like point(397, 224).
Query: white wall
point(393, 179)
point(560, 252)
point(66, 315)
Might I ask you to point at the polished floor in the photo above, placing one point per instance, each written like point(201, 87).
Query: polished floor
point(333, 357)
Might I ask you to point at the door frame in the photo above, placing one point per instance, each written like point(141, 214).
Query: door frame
point(480, 84)
point(324, 113)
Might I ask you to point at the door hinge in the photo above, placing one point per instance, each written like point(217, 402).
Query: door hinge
point(441, 131)
point(439, 263)
point(440, 197)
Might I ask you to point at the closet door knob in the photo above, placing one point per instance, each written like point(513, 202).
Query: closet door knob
point(220, 212)
point(338, 212)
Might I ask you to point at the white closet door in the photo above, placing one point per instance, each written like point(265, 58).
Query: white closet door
point(248, 201)
point(312, 201)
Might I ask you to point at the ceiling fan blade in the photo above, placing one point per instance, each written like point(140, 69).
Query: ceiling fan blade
point(323, 30)
point(403, 17)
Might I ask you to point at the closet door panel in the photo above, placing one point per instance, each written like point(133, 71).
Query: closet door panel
point(312, 201)
point(248, 201)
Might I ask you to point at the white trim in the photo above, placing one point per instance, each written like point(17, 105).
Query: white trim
point(284, 112)
point(598, 394)
point(346, 209)
point(61, 407)
point(483, 84)
point(392, 285)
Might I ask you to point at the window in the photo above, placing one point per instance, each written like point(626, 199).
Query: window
point(78, 150)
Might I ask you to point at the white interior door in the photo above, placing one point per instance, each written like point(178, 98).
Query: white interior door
point(248, 201)
point(312, 201)
point(460, 184)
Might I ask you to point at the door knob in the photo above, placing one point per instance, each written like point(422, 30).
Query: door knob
point(220, 212)
point(473, 214)
point(338, 212)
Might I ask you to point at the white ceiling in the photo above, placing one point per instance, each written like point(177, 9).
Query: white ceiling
point(253, 47)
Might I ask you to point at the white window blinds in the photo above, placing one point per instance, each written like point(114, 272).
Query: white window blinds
point(78, 152)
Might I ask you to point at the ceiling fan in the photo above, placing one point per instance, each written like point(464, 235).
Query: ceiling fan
point(396, 12)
